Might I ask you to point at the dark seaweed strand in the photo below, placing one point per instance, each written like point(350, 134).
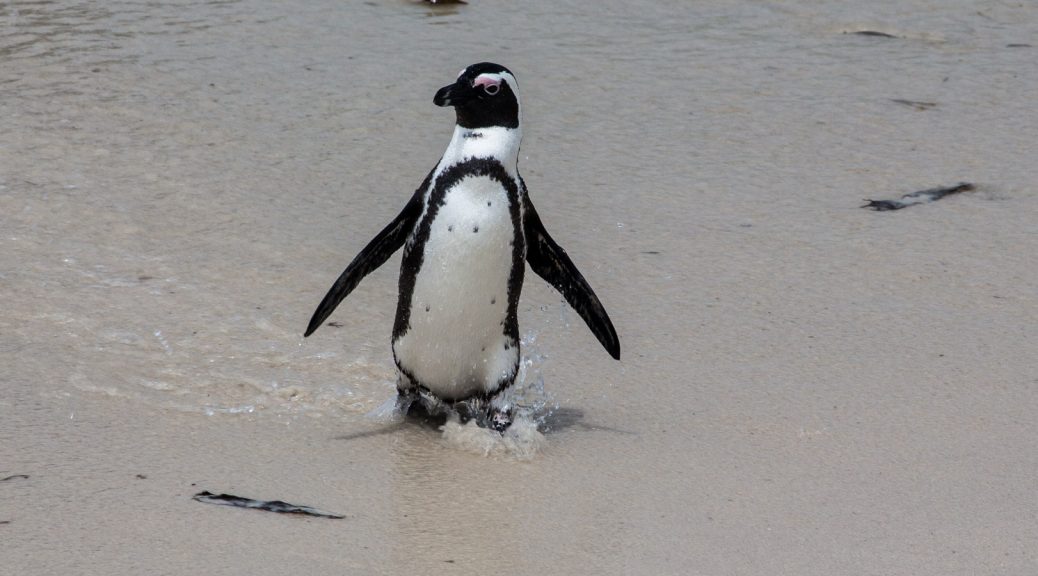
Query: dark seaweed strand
point(884, 205)
point(414, 252)
point(938, 193)
point(267, 505)
point(874, 33)
point(928, 195)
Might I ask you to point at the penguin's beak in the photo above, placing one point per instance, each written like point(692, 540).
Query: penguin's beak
point(457, 93)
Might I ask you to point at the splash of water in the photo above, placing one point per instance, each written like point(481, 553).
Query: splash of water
point(531, 405)
point(521, 440)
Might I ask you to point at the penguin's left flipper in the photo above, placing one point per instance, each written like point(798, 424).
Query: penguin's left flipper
point(550, 261)
point(375, 254)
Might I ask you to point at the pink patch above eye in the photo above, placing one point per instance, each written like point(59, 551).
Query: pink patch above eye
point(486, 81)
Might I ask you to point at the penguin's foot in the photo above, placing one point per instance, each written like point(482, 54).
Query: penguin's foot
point(496, 418)
point(420, 404)
point(485, 414)
point(405, 399)
point(499, 419)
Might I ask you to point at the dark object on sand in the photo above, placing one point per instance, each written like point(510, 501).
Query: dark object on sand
point(874, 33)
point(915, 103)
point(268, 505)
point(15, 477)
point(920, 197)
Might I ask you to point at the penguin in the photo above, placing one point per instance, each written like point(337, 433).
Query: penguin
point(468, 233)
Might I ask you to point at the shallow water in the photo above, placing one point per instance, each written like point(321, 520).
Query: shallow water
point(807, 387)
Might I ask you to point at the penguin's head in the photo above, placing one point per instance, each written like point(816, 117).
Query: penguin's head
point(484, 95)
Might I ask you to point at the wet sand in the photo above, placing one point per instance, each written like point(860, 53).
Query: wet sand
point(806, 388)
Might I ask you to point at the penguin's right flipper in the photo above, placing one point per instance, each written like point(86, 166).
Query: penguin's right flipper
point(375, 254)
point(550, 261)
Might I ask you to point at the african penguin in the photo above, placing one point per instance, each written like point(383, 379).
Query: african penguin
point(467, 233)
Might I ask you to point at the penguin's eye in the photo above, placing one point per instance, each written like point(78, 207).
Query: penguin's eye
point(490, 85)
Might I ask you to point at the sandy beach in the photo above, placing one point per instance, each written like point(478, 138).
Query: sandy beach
point(807, 387)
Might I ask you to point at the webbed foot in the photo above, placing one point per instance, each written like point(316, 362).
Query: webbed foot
point(500, 420)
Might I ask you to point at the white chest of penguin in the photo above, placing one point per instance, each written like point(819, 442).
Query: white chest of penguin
point(456, 343)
